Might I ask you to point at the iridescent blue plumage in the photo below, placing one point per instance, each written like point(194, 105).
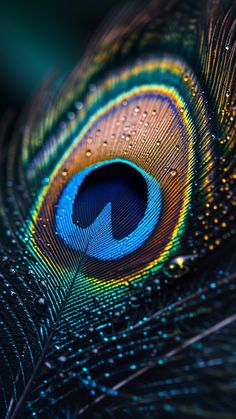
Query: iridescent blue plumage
point(102, 245)
point(118, 227)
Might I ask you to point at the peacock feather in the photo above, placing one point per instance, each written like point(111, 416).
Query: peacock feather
point(117, 280)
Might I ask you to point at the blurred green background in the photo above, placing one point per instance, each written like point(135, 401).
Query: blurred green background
point(38, 37)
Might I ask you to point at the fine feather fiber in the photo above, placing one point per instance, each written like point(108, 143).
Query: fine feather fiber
point(117, 226)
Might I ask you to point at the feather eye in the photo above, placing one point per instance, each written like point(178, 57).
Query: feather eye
point(141, 125)
point(119, 184)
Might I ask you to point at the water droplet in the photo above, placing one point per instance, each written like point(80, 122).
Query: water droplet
point(79, 105)
point(43, 284)
point(48, 364)
point(62, 358)
point(30, 273)
point(40, 304)
point(179, 266)
point(71, 116)
point(64, 172)
point(173, 172)
point(88, 153)
point(45, 180)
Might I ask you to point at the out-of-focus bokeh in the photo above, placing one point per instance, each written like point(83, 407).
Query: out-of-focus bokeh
point(37, 37)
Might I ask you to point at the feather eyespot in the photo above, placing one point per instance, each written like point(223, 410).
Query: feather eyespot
point(97, 237)
point(142, 126)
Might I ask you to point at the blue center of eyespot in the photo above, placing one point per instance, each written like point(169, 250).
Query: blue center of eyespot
point(109, 210)
point(116, 183)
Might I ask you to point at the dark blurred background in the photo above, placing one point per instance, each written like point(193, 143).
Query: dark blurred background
point(38, 37)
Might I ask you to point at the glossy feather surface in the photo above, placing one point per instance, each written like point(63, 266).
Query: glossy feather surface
point(118, 226)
